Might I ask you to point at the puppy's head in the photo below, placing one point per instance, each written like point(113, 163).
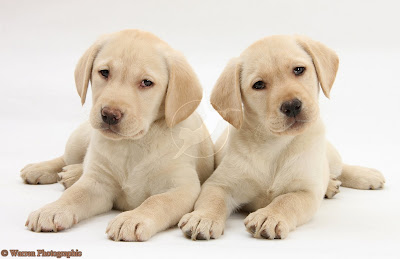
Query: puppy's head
point(136, 79)
point(275, 84)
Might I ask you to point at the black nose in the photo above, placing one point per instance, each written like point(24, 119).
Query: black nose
point(291, 108)
point(111, 116)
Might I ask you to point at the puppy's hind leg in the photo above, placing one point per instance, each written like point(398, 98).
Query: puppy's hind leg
point(335, 168)
point(333, 187)
point(356, 177)
point(70, 174)
point(43, 172)
point(362, 178)
point(47, 172)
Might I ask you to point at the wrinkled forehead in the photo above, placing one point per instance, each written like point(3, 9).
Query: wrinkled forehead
point(131, 52)
point(274, 53)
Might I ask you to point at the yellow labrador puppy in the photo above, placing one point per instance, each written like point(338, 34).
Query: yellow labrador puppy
point(144, 94)
point(277, 162)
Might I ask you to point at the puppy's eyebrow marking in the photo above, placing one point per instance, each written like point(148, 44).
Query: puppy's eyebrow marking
point(148, 73)
point(104, 63)
point(298, 62)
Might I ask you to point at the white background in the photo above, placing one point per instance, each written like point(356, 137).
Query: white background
point(41, 41)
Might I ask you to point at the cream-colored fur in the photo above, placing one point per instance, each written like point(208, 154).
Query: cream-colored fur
point(276, 166)
point(133, 165)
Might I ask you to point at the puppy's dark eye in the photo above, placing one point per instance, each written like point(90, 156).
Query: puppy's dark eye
point(104, 73)
point(259, 85)
point(146, 83)
point(298, 70)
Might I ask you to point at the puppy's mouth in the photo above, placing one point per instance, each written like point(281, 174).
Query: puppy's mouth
point(296, 124)
point(109, 132)
point(291, 126)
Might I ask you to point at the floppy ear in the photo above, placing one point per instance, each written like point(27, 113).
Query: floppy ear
point(226, 97)
point(84, 67)
point(184, 91)
point(325, 60)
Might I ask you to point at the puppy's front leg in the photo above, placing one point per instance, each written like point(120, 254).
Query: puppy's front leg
point(211, 210)
point(156, 213)
point(86, 198)
point(220, 195)
point(282, 215)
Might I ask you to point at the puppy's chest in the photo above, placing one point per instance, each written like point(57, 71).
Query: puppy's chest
point(280, 171)
point(272, 171)
point(136, 183)
point(265, 164)
point(131, 166)
point(269, 180)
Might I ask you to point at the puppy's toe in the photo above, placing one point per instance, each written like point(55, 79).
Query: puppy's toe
point(262, 224)
point(199, 226)
point(131, 226)
point(51, 218)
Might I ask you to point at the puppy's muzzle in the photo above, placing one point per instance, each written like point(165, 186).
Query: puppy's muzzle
point(111, 116)
point(291, 108)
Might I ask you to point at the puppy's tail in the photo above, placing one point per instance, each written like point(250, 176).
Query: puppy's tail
point(362, 178)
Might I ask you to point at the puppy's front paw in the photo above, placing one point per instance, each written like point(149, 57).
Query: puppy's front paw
point(200, 226)
point(131, 226)
point(40, 173)
point(333, 188)
point(70, 174)
point(263, 224)
point(51, 218)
